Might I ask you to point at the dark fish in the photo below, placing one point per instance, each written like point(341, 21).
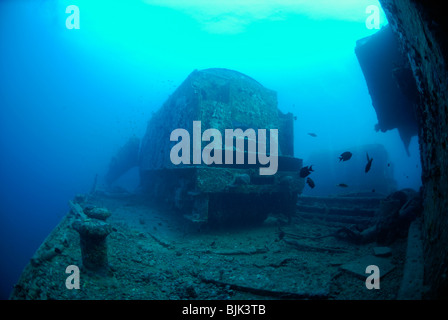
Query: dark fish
point(312, 134)
point(342, 185)
point(345, 156)
point(373, 190)
point(306, 171)
point(310, 182)
point(369, 163)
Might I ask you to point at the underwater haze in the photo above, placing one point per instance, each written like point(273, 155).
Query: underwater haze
point(70, 98)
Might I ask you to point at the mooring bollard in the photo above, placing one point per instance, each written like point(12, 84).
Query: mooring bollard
point(93, 235)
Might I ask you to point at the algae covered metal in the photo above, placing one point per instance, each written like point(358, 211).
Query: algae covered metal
point(221, 99)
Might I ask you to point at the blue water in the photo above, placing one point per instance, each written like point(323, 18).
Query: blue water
point(69, 98)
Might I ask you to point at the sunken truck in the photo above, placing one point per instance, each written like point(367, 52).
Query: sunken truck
point(220, 151)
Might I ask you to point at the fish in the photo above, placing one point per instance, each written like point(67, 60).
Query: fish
point(310, 182)
point(369, 163)
point(345, 156)
point(306, 171)
point(342, 185)
point(312, 134)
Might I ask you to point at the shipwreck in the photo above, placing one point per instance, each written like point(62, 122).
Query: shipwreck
point(220, 193)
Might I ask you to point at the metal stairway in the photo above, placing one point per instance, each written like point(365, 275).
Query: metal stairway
point(345, 210)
